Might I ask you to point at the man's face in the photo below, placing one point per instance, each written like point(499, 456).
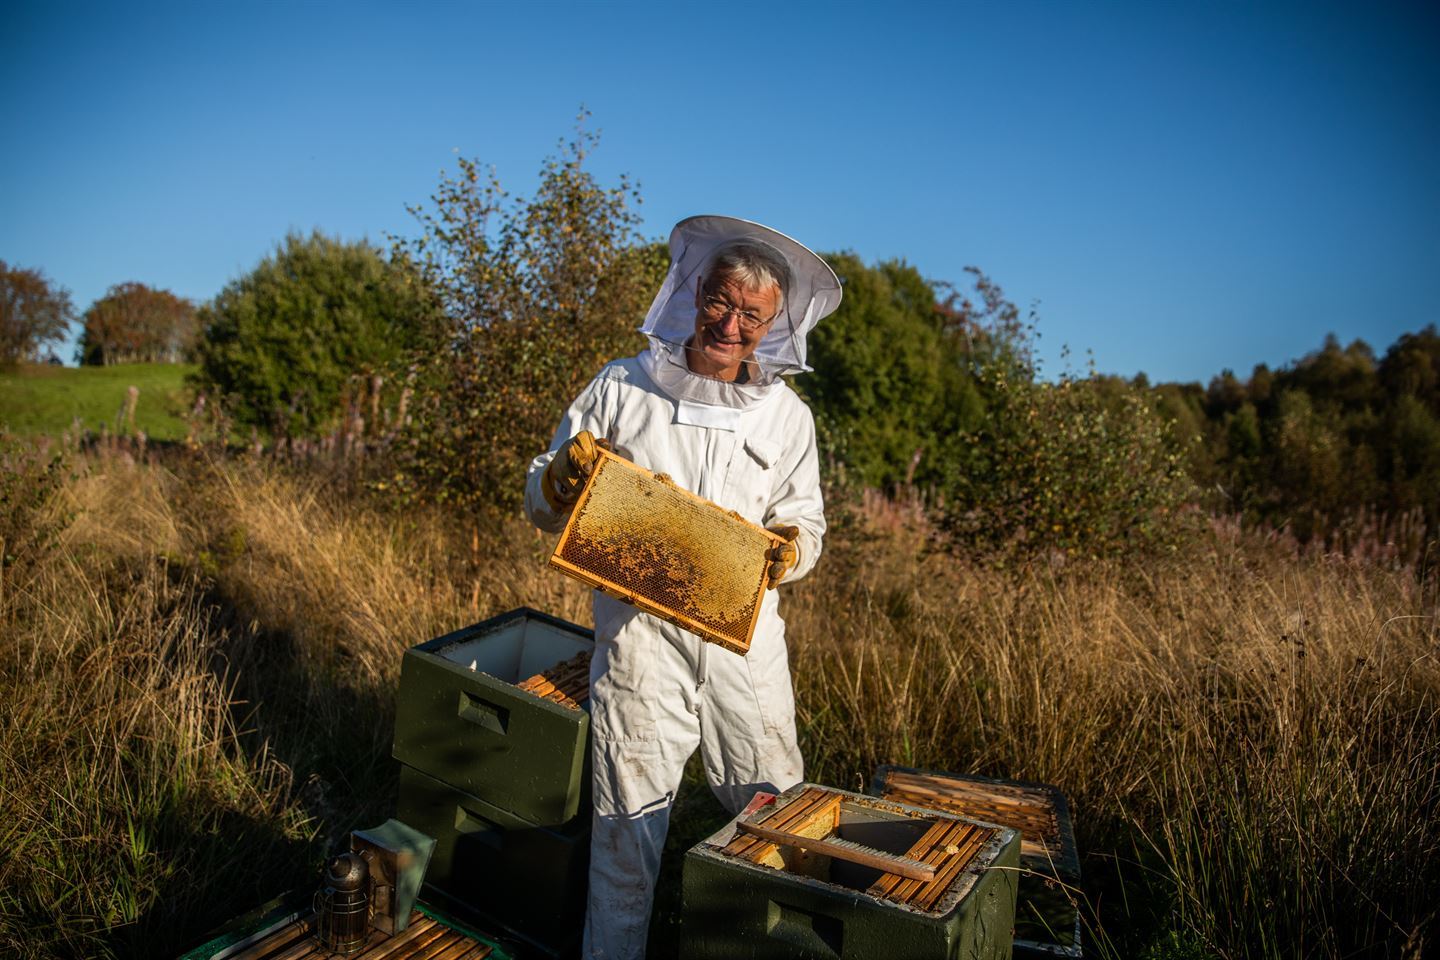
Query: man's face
point(730, 322)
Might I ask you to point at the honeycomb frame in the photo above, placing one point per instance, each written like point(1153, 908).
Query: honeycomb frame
point(638, 537)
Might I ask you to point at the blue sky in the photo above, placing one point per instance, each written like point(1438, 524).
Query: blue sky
point(1178, 188)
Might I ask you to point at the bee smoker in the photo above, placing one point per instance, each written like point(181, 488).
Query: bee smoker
point(342, 904)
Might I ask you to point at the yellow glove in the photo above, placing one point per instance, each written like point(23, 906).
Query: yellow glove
point(782, 556)
point(568, 470)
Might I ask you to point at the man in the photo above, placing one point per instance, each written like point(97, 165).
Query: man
point(705, 405)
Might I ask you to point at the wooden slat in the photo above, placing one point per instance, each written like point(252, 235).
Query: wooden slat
point(308, 946)
point(275, 941)
point(876, 859)
point(417, 934)
point(1036, 819)
point(825, 804)
point(447, 939)
point(1039, 834)
point(423, 939)
point(946, 782)
point(778, 817)
point(456, 949)
point(566, 683)
point(902, 891)
point(927, 898)
point(955, 854)
point(1032, 802)
point(918, 851)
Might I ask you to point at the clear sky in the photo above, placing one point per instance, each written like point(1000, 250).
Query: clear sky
point(1180, 188)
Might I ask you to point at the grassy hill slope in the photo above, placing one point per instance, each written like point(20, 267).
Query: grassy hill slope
point(45, 399)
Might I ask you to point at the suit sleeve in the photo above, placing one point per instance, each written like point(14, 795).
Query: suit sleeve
point(797, 499)
point(593, 410)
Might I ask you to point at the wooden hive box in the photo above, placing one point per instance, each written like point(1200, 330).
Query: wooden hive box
point(1047, 923)
point(464, 715)
point(524, 881)
point(745, 896)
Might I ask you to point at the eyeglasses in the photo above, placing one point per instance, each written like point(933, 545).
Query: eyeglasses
point(717, 308)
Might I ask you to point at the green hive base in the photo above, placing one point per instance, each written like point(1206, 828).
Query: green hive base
point(735, 909)
point(527, 879)
point(474, 729)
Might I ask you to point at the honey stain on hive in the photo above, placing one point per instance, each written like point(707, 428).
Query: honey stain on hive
point(645, 536)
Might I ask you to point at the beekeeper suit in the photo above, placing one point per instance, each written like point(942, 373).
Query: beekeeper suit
point(704, 404)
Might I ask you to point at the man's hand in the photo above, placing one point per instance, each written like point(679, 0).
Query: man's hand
point(569, 469)
point(782, 556)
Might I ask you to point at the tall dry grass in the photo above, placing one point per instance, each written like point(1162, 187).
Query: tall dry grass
point(196, 690)
point(197, 678)
point(1250, 736)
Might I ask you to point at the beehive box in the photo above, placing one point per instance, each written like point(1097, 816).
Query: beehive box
point(524, 880)
point(745, 897)
point(460, 718)
point(641, 539)
point(1047, 923)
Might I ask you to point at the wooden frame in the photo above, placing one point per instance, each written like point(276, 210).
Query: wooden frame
point(640, 538)
point(919, 877)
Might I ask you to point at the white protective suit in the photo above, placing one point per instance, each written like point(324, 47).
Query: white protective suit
point(658, 691)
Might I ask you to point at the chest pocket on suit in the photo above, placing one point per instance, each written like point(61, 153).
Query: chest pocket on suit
point(752, 474)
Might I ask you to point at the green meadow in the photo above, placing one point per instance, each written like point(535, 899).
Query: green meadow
point(46, 399)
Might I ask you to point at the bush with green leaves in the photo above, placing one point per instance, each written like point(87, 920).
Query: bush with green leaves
point(1083, 466)
point(537, 295)
point(923, 385)
point(891, 389)
point(288, 343)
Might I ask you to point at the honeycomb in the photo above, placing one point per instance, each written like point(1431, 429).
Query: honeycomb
point(642, 539)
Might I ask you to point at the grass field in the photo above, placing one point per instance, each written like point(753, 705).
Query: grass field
point(198, 665)
point(45, 399)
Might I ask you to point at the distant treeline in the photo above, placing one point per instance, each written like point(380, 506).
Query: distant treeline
point(1338, 438)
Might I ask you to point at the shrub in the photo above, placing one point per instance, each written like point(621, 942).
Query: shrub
point(283, 343)
point(890, 389)
point(1082, 466)
point(537, 294)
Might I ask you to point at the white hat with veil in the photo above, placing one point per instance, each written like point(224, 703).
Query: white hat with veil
point(812, 291)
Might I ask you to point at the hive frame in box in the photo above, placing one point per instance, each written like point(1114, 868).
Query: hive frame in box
point(789, 905)
point(1042, 869)
point(657, 540)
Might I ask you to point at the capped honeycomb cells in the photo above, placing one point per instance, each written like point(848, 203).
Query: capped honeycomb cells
point(673, 554)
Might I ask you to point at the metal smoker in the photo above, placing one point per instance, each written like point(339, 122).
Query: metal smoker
point(342, 905)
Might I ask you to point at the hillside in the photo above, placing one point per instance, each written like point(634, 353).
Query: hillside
point(45, 399)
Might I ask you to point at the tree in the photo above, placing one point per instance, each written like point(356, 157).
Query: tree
point(135, 323)
point(282, 343)
point(33, 312)
point(537, 295)
point(891, 390)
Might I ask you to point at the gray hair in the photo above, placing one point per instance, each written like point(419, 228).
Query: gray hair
point(755, 266)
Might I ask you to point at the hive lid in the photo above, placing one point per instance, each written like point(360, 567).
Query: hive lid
point(642, 539)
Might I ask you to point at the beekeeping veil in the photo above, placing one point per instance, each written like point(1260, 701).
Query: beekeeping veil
point(812, 292)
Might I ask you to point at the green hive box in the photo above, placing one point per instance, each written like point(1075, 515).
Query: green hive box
point(737, 909)
point(519, 878)
point(1047, 923)
point(460, 719)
